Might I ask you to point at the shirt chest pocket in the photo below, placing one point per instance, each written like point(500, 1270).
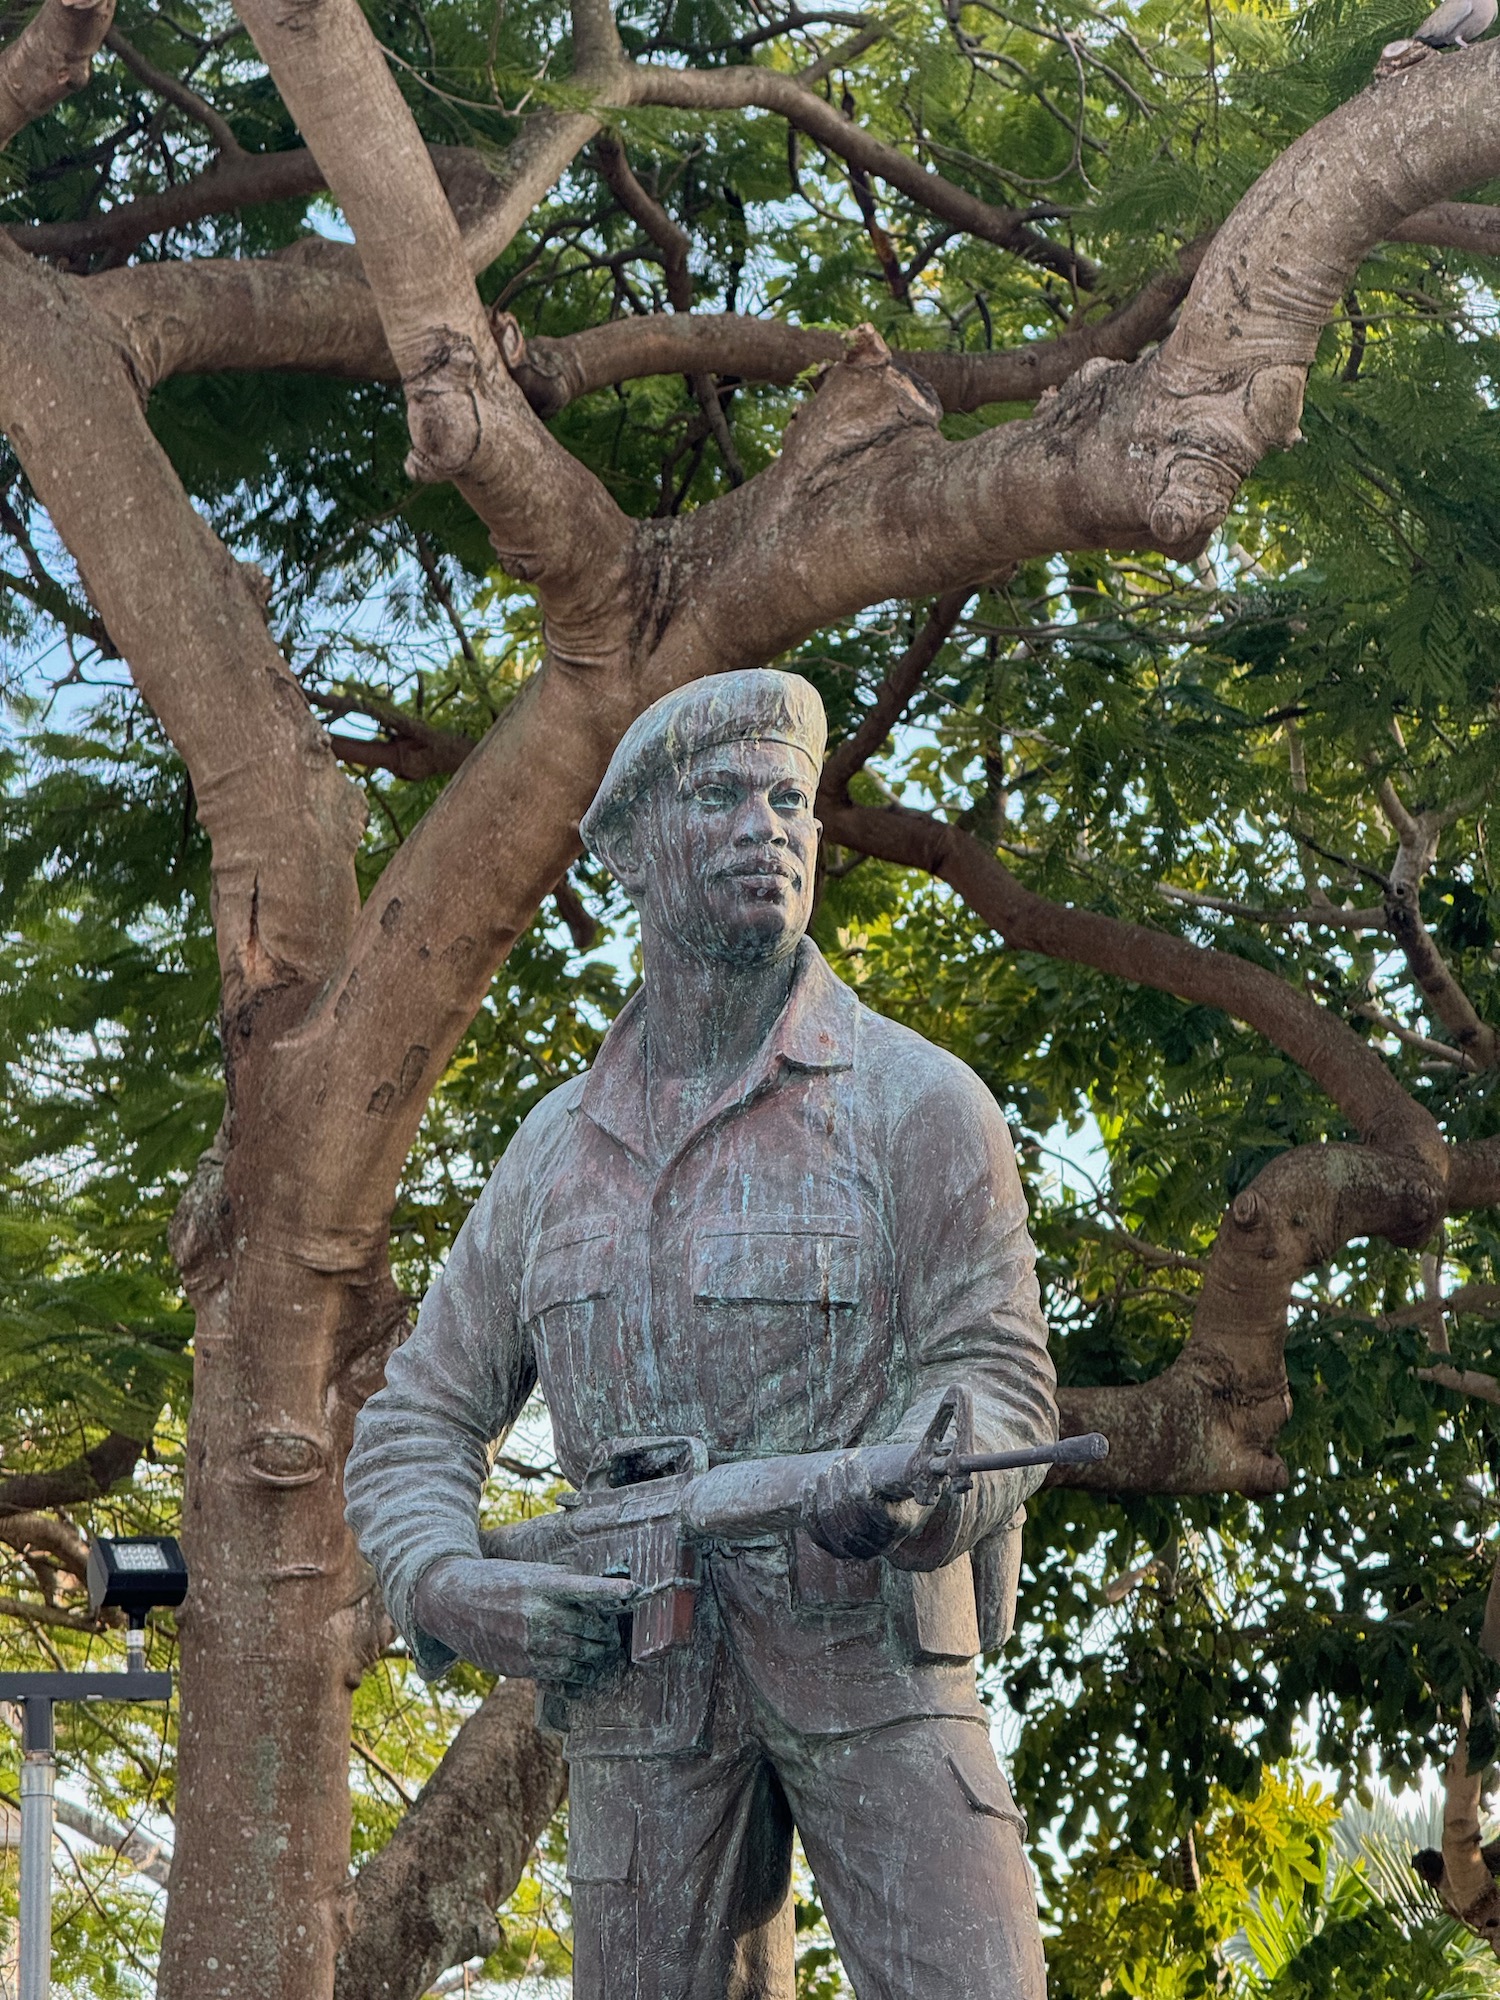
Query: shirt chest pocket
point(570, 1299)
point(763, 1260)
point(779, 1328)
point(572, 1264)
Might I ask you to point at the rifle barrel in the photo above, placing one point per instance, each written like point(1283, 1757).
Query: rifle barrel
point(1067, 1451)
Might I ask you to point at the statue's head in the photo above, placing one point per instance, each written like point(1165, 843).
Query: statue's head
point(706, 814)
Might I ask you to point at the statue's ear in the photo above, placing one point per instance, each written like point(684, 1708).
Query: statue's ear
point(619, 846)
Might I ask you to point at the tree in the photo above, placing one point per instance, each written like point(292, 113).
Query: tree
point(1262, 693)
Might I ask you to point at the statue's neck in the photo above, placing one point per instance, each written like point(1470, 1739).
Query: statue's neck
point(705, 1021)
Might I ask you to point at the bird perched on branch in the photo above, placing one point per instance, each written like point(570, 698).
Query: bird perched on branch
point(1457, 23)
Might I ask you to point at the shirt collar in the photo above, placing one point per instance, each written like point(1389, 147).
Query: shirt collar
point(814, 1031)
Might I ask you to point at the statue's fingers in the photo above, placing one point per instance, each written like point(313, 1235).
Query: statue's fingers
point(599, 1593)
point(586, 1643)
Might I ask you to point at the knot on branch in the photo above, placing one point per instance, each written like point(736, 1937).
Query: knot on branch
point(199, 1233)
point(442, 408)
point(863, 400)
point(864, 348)
point(1082, 396)
point(1207, 441)
point(547, 372)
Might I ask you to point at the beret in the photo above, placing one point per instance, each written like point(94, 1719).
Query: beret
point(755, 704)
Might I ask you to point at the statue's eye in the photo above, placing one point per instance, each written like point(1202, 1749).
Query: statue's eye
point(715, 796)
point(790, 798)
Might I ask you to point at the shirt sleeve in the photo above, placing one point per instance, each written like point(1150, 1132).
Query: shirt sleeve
point(970, 1303)
point(423, 1444)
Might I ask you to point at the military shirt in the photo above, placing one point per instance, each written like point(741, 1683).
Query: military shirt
point(834, 1242)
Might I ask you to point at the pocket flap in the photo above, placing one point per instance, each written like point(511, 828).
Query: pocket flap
point(601, 1842)
point(807, 1262)
point(980, 1779)
point(572, 1261)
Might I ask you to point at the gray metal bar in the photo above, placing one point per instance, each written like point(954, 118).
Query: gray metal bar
point(40, 1687)
point(38, 1789)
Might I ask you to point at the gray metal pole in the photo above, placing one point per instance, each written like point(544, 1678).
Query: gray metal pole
point(38, 1783)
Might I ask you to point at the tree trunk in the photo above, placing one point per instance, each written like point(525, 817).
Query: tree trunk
point(281, 1620)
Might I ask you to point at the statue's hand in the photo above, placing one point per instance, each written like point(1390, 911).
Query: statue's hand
point(850, 1519)
point(531, 1620)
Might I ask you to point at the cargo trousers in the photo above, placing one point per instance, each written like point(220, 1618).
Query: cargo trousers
point(681, 1866)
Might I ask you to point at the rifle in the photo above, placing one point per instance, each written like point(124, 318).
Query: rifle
point(648, 1506)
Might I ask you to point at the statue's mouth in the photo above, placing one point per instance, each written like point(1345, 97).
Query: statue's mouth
point(764, 872)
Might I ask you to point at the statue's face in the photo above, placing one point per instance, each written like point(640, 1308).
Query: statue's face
point(725, 864)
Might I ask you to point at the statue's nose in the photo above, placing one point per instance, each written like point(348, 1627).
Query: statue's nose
point(758, 825)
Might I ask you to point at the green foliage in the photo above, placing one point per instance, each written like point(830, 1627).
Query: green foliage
point(1275, 1898)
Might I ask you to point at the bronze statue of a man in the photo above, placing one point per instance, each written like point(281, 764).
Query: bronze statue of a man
point(766, 1222)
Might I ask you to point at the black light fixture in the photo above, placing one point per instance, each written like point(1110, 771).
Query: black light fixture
point(135, 1574)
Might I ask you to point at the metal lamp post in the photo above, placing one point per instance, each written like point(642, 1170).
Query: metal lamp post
point(134, 1575)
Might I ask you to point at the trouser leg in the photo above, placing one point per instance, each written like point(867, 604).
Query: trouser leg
point(916, 1848)
point(681, 1878)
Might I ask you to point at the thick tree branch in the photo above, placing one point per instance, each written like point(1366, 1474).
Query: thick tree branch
point(1461, 1872)
point(1350, 1072)
point(412, 749)
point(428, 1899)
point(1441, 1052)
point(1209, 1423)
point(1480, 1299)
point(235, 180)
point(148, 1857)
point(58, 1540)
point(645, 211)
point(1472, 226)
point(489, 205)
point(552, 522)
point(1330, 916)
point(1474, 1174)
point(32, 1612)
point(283, 819)
point(1462, 1381)
point(312, 312)
point(50, 59)
point(97, 1472)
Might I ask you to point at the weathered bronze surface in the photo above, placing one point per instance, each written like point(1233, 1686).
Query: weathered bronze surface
point(768, 1227)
